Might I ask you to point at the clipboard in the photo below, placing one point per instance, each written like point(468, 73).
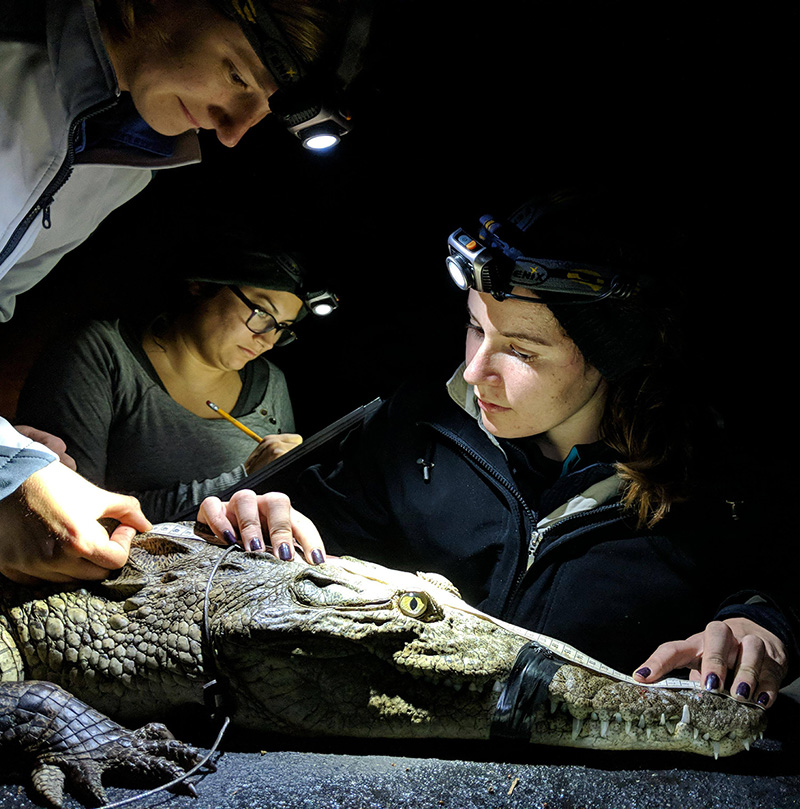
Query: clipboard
point(288, 466)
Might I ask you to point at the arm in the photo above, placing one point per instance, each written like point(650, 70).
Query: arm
point(751, 644)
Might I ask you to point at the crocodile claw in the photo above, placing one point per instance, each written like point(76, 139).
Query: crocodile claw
point(72, 745)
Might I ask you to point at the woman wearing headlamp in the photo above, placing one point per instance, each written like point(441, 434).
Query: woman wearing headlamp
point(95, 95)
point(129, 396)
point(563, 482)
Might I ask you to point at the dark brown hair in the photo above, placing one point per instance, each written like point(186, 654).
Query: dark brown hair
point(663, 435)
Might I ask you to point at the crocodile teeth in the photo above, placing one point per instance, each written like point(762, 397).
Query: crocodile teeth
point(746, 743)
point(553, 706)
point(642, 723)
point(618, 717)
point(715, 747)
point(686, 716)
point(577, 724)
point(629, 727)
point(604, 728)
point(649, 733)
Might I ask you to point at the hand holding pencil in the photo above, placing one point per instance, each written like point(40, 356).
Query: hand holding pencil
point(269, 448)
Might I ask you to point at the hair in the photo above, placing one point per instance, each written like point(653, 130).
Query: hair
point(666, 438)
point(304, 22)
point(659, 428)
point(176, 300)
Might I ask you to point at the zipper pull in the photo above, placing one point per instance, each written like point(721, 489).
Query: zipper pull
point(426, 469)
point(46, 217)
point(533, 545)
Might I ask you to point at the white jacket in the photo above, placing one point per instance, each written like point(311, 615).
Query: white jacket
point(54, 76)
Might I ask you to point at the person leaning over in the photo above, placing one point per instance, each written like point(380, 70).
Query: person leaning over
point(564, 479)
point(94, 96)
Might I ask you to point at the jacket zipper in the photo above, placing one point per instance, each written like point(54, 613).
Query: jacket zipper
point(537, 535)
point(42, 205)
point(506, 485)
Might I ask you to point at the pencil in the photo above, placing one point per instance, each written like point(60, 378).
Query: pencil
point(235, 422)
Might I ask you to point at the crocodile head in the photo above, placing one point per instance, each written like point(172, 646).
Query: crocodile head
point(355, 649)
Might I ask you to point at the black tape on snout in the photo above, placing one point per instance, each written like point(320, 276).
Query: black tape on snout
point(525, 690)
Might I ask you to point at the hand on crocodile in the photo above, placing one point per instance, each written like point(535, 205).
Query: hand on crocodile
point(249, 516)
point(70, 744)
point(52, 442)
point(270, 448)
point(49, 528)
point(737, 648)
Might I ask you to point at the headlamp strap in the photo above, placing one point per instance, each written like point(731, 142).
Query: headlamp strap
point(271, 44)
point(527, 687)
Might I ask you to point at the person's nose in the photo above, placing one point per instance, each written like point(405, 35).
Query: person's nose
point(267, 340)
point(481, 367)
point(232, 123)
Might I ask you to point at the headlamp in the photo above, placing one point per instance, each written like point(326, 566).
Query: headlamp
point(495, 267)
point(322, 303)
point(308, 100)
point(318, 125)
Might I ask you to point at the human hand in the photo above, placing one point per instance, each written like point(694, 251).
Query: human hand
point(52, 442)
point(248, 514)
point(754, 656)
point(49, 529)
point(270, 448)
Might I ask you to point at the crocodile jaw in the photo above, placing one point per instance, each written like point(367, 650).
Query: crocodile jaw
point(590, 710)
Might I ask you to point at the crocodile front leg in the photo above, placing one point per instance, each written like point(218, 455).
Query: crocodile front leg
point(64, 740)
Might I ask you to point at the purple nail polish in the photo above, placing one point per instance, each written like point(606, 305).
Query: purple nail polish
point(763, 699)
point(317, 556)
point(743, 690)
point(229, 537)
point(255, 544)
point(712, 682)
point(284, 552)
point(644, 672)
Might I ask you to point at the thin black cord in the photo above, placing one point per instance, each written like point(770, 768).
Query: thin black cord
point(210, 665)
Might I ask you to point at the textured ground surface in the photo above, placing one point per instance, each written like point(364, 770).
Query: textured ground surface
point(408, 775)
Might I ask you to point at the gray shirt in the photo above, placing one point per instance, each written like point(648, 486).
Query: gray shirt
point(98, 391)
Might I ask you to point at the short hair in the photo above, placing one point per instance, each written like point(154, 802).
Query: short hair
point(305, 23)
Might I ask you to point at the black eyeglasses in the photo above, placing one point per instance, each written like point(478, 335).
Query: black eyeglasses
point(260, 322)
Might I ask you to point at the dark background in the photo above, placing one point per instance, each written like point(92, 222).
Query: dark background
point(469, 108)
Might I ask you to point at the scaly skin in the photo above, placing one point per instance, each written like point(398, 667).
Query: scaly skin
point(345, 648)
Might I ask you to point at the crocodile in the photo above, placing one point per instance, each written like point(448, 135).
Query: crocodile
point(346, 648)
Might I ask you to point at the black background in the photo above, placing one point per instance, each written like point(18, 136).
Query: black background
point(469, 108)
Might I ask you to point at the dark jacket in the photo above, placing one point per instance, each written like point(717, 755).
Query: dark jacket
point(422, 487)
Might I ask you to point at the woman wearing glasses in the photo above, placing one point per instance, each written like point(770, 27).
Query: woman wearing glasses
point(130, 400)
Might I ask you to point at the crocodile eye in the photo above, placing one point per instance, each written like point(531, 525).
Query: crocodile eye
point(417, 605)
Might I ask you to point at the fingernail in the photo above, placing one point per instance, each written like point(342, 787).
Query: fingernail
point(644, 672)
point(284, 552)
point(255, 544)
point(743, 690)
point(712, 682)
point(763, 699)
point(317, 557)
point(229, 537)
